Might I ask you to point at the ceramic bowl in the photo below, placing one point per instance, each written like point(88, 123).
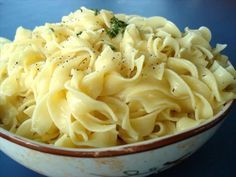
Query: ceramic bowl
point(136, 160)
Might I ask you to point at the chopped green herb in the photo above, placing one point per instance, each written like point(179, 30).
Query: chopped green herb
point(79, 33)
point(112, 47)
point(154, 37)
point(116, 27)
point(52, 29)
point(96, 12)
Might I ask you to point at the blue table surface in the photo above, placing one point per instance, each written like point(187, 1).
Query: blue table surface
point(217, 157)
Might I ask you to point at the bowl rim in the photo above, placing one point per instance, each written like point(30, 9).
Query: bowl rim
point(120, 150)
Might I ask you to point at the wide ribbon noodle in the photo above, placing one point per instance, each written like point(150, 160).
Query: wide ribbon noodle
point(97, 79)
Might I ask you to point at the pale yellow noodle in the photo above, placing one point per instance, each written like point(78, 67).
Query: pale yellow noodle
point(71, 84)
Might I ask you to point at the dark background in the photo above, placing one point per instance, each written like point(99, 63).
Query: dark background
point(217, 157)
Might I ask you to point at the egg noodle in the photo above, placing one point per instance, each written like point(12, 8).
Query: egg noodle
point(99, 79)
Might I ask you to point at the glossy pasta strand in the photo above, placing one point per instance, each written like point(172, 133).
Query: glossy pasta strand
point(104, 79)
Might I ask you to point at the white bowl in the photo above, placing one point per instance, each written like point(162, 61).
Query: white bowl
point(138, 159)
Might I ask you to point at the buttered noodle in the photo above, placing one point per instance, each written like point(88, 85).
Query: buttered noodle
point(97, 79)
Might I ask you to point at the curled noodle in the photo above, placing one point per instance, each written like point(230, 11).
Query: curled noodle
point(71, 84)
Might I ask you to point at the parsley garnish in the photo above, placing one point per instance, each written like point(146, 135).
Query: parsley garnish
point(52, 29)
point(79, 33)
point(116, 27)
point(96, 12)
point(112, 47)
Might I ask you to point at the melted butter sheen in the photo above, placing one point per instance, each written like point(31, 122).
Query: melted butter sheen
point(72, 84)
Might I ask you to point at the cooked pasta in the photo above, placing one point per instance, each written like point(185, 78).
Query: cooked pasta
point(99, 79)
